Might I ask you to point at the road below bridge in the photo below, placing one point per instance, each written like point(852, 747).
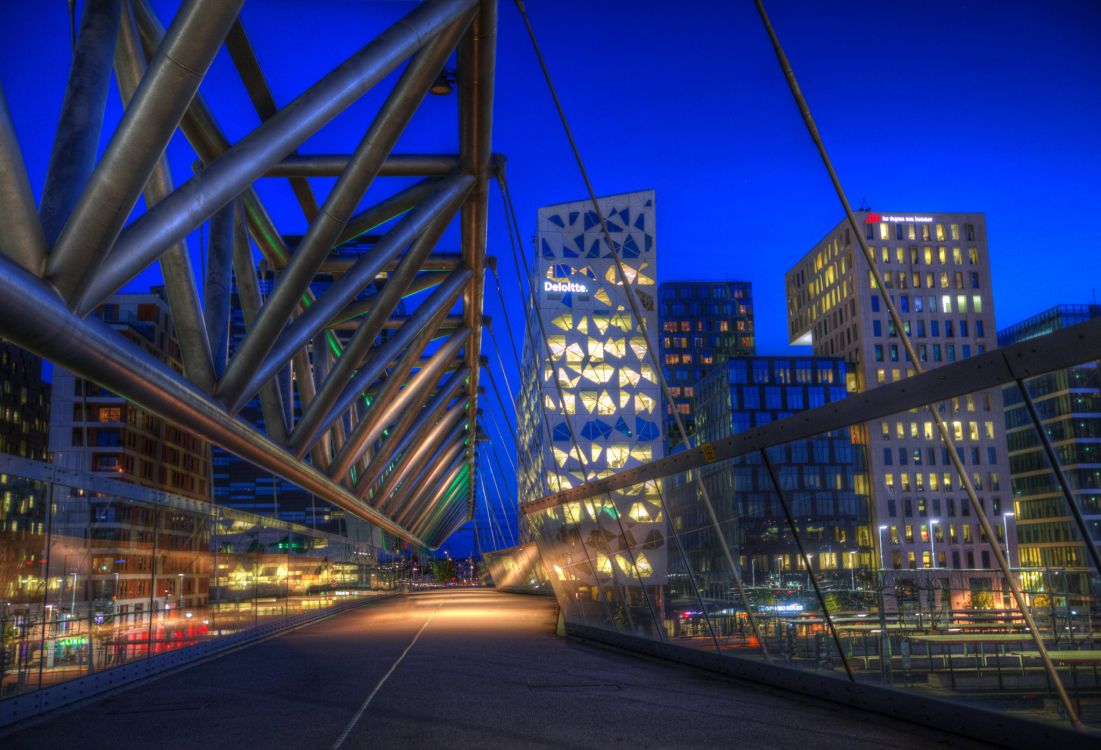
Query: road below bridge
point(456, 668)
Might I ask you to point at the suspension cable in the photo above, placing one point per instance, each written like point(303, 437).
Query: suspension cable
point(500, 497)
point(896, 318)
point(500, 405)
point(489, 515)
point(504, 310)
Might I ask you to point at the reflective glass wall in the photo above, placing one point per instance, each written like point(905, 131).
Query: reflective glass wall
point(779, 557)
point(101, 574)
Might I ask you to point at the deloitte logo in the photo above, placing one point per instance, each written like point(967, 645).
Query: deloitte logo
point(564, 286)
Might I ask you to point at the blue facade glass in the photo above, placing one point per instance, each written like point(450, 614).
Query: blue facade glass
point(703, 323)
point(822, 477)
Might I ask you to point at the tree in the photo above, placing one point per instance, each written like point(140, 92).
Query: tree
point(444, 570)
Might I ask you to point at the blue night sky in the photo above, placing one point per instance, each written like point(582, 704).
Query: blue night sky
point(930, 106)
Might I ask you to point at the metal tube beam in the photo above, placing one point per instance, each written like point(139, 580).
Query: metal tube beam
point(341, 264)
point(206, 137)
point(161, 99)
point(445, 503)
point(42, 324)
point(427, 454)
point(447, 325)
point(387, 209)
point(426, 316)
point(345, 320)
point(421, 325)
point(333, 165)
point(381, 458)
point(477, 61)
point(243, 377)
point(418, 336)
point(410, 492)
point(448, 509)
point(415, 498)
point(447, 530)
point(411, 398)
point(431, 494)
point(21, 238)
point(401, 439)
point(252, 76)
point(317, 418)
point(179, 279)
point(76, 144)
point(248, 295)
point(217, 288)
point(248, 159)
point(341, 202)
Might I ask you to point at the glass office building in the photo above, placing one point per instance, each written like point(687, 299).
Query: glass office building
point(1069, 404)
point(822, 478)
point(703, 323)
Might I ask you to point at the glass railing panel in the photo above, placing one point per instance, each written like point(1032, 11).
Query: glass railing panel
point(26, 599)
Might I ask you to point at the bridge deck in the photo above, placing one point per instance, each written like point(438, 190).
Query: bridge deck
point(486, 671)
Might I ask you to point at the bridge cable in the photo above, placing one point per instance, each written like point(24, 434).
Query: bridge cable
point(896, 318)
point(489, 515)
point(500, 469)
point(504, 310)
point(501, 437)
point(504, 414)
point(500, 497)
point(504, 375)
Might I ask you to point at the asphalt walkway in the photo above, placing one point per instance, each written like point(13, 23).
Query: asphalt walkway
point(458, 668)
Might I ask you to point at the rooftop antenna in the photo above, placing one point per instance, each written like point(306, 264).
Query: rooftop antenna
point(864, 204)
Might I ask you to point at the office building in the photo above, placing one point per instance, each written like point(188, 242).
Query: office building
point(24, 404)
point(600, 360)
point(936, 269)
point(1068, 402)
point(822, 478)
point(93, 429)
point(703, 323)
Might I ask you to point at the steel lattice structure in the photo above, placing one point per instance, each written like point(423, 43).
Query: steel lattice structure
point(385, 427)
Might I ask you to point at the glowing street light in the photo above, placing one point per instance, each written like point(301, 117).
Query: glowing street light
point(933, 540)
point(1005, 530)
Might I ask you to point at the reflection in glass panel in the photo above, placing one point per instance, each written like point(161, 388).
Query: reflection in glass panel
point(91, 580)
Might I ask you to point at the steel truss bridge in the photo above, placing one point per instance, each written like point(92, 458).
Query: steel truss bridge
point(367, 364)
point(386, 424)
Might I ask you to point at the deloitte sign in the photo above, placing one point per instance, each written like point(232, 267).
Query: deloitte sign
point(564, 286)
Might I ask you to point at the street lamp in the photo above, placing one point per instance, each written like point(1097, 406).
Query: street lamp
point(933, 540)
point(1005, 531)
point(882, 564)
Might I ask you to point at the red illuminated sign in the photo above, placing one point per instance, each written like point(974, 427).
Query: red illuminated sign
point(873, 218)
